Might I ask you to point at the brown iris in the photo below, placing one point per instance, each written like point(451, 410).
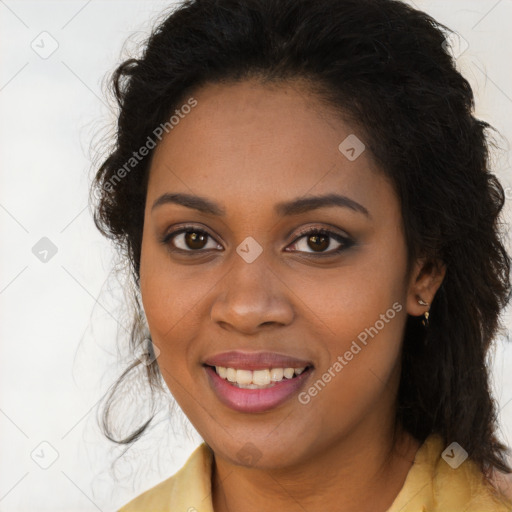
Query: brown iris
point(195, 240)
point(320, 241)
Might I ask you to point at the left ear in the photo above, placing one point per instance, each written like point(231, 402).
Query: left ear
point(426, 278)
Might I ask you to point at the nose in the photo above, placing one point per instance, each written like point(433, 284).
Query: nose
point(251, 297)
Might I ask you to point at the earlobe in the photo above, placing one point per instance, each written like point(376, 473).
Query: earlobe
point(426, 279)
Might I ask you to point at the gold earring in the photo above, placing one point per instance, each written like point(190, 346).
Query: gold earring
point(424, 322)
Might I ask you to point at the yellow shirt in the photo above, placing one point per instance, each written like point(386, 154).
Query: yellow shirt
point(431, 485)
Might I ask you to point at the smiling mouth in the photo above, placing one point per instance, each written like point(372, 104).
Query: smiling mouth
point(257, 379)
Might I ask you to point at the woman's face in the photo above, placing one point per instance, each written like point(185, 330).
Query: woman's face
point(246, 289)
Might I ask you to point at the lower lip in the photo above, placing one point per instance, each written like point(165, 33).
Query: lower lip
point(255, 400)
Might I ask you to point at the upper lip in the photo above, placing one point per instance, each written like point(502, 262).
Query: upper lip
point(255, 360)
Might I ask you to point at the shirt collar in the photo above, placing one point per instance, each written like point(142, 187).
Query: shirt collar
point(431, 484)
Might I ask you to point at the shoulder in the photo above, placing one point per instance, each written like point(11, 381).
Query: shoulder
point(187, 489)
point(155, 499)
point(463, 481)
point(442, 479)
point(503, 483)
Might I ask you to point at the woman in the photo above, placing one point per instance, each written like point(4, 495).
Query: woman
point(305, 200)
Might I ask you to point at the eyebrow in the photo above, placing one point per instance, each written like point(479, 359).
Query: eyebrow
point(293, 207)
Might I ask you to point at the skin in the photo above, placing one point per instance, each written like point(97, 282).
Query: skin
point(248, 146)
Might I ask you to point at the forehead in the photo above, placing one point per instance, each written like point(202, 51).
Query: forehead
point(261, 143)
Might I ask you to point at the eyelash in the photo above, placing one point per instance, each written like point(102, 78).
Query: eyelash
point(345, 242)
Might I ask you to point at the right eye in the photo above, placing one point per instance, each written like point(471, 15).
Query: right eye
point(189, 239)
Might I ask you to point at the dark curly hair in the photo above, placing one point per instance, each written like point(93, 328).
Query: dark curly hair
point(386, 67)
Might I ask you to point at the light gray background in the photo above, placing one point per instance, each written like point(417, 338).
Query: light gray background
point(59, 318)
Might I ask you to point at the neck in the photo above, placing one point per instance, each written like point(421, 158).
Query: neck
point(363, 472)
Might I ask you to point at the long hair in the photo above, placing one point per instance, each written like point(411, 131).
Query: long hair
point(387, 68)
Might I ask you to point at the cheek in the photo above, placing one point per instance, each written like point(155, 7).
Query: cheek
point(358, 374)
point(353, 296)
point(169, 294)
point(169, 315)
point(363, 306)
point(162, 305)
point(174, 300)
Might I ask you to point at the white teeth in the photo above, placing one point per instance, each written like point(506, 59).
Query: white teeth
point(257, 379)
point(251, 386)
point(261, 377)
point(231, 374)
point(289, 373)
point(244, 376)
point(276, 374)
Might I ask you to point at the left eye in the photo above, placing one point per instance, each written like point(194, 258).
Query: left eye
point(321, 239)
